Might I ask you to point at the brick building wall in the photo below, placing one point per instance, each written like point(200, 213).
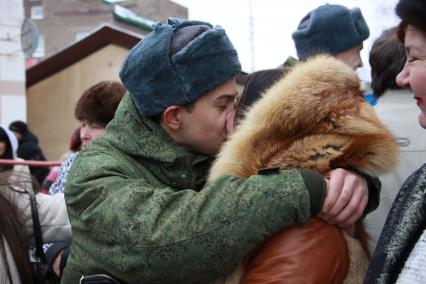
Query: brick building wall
point(12, 67)
point(62, 22)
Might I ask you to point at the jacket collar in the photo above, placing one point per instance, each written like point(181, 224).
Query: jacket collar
point(142, 138)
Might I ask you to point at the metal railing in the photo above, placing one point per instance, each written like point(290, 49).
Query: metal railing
point(30, 163)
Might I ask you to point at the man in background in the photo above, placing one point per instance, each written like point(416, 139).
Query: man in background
point(28, 149)
point(334, 30)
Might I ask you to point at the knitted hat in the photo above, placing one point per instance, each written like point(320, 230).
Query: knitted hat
point(331, 29)
point(98, 103)
point(177, 63)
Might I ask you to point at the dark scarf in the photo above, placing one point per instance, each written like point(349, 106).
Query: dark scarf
point(404, 225)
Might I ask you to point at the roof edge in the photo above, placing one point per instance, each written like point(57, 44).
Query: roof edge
point(101, 36)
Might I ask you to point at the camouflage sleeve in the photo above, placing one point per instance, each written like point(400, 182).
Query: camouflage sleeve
point(137, 232)
point(374, 188)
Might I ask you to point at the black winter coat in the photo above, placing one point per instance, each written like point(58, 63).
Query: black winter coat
point(28, 149)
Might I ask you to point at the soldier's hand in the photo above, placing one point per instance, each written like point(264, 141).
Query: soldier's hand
point(346, 198)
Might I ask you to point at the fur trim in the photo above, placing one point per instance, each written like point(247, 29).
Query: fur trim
point(315, 117)
point(98, 103)
point(358, 261)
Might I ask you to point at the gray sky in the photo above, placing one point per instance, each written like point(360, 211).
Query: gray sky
point(275, 20)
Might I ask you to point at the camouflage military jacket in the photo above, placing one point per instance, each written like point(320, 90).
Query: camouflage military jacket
point(140, 210)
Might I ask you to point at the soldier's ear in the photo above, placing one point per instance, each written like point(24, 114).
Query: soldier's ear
point(172, 117)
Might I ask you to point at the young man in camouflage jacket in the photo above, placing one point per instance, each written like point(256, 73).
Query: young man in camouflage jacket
point(138, 203)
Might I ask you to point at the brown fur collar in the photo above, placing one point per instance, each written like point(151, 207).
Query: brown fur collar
point(315, 117)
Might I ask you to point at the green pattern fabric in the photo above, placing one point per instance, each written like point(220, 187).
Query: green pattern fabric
point(140, 209)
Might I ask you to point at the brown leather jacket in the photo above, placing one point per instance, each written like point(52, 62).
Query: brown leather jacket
point(315, 252)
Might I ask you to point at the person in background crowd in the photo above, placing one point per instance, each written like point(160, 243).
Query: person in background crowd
point(8, 148)
point(16, 226)
point(14, 260)
point(401, 250)
point(94, 110)
point(137, 197)
point(75, 146)
point(334, 30)
point(29, 149)
point(75, 142)
point(387, 58)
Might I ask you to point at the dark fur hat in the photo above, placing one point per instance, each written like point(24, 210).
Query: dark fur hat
point(331, 29)
point(177, 63)
point(98, 103)
point(411, 12)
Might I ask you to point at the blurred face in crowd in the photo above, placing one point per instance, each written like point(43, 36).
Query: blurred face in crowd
point(351, 56)
point(90, 131)
point(203, 127)
point(3, 148)
point(413, 75)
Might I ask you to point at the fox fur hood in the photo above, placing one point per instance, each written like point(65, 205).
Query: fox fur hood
point(315, 117)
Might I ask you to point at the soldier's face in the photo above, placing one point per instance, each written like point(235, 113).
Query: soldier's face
point(352, 56)
point(204, 126)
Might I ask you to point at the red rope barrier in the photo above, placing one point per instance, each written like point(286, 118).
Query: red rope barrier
point(30, 163)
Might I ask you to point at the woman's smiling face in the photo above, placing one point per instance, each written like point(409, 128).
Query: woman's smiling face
point(413, 75)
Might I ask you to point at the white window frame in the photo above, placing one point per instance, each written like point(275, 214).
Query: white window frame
point(37, 12)
point(40, 50)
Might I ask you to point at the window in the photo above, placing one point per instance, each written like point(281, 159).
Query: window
point(37, 12)
point(39, 52)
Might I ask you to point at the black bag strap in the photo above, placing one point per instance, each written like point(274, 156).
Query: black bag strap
point(37, 229)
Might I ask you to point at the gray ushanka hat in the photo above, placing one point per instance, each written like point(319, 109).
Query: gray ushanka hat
point(330, 29)
point(158, 77)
